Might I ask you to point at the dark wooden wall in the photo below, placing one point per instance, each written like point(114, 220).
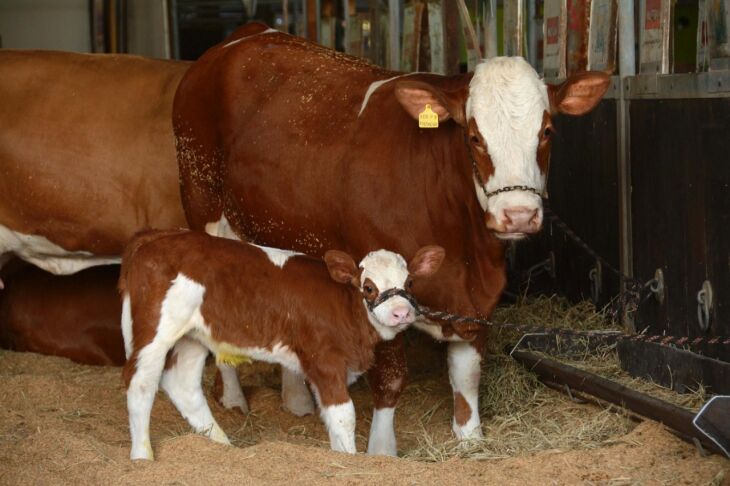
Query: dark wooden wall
point(680, 169)
point(583, 192)
point(680, 172)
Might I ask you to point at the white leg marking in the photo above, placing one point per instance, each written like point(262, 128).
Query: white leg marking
point(180, 307)
point(295, 393)
point(141, 395)
point(464, 373)
point(127, 325)
point(340, 423)
point(382, 433)
point(182, 382)
point(232, 393)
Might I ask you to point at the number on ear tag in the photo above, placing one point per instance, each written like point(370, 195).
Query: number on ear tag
point(428, 118)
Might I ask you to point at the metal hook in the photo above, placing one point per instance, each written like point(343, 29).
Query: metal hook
point(704, 305)
point(595, 275)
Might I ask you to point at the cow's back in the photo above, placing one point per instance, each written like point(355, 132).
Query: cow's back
point(86, 147)
point(277, 104)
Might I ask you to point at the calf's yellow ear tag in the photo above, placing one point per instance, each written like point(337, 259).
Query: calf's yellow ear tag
point(428, 118)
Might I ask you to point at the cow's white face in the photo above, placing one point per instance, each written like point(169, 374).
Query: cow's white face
point(505, 109)
point(508, 120)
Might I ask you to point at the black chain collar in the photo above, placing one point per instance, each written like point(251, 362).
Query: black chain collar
point(479, 179)
point(387, 295)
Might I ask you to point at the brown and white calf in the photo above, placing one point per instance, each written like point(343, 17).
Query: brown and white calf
point(193, 293)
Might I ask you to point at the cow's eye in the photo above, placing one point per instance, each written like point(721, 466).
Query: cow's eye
point(368, 289)
point(409, 284)
point(547, 132)
point(474, 139)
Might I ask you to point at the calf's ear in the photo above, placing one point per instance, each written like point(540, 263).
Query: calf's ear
point(578, 94)
point(415, 95)
point(427, 261)
point(341, 267)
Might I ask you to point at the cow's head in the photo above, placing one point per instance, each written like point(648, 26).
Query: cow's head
point(382, 278)
point(506, 111)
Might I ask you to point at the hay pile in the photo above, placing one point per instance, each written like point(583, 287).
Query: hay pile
point(521, 416)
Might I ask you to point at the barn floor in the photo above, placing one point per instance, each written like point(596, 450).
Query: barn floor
point(64, 423)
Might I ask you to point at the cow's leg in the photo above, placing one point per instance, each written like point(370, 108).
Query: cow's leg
point(337, 411)
point(182, 382)
point(232, 395)
point(464, 359)
point(295, 393)
point(387, 379)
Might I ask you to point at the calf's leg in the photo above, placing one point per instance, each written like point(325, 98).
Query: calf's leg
point(145, 368)
point(295, 393)
point(387, 379)
point(464, 360)
point(335, 407)
point(232, 395)
point(182, 382)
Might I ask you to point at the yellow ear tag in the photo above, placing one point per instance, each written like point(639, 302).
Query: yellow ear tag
point(232, 359)
point(428, 118)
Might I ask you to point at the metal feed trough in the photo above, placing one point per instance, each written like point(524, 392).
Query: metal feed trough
point(709, 428)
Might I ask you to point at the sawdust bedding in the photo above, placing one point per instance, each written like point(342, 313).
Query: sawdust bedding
point(65, 423)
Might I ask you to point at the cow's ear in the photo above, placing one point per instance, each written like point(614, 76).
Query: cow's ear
point(427, 261)
point(415, 95)
point(578, 94)
point(341, 267)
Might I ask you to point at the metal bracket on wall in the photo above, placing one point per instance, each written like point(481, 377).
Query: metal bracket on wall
point(657, 285)
point(595, 275)
point(704, 305)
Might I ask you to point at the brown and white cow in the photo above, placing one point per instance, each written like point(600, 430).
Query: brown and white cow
point(87, 156)
point(190, 292)
point(73, 316)
point(286, 143)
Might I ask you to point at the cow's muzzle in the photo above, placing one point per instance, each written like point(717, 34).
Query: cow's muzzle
point(514, 223)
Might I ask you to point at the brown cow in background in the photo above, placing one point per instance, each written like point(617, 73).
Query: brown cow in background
point(73, 316)
point(86, 155)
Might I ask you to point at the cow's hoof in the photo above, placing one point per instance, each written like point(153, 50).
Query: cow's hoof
point(467, 431)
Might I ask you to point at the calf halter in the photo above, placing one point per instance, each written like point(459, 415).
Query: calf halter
point(387, 295)
point(482, 184)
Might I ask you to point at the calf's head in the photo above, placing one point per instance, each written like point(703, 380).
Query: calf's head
point(506, 113)
point(379, 276)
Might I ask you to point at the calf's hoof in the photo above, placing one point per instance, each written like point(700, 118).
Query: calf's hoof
point(142, 452)
point(216, 434)
point(298, 404)
point(232, 401)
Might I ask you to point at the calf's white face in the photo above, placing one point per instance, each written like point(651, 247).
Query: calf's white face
point(379, 272)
